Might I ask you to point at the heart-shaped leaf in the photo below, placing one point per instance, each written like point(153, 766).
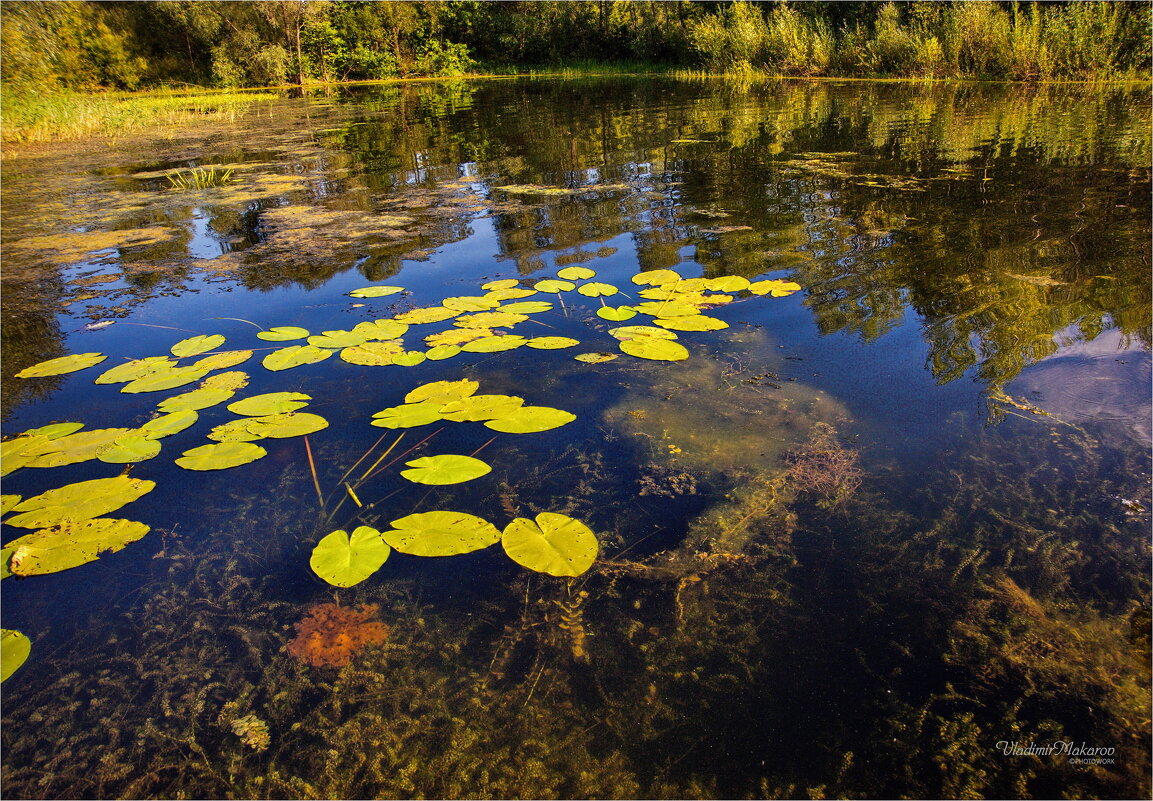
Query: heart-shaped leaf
point(127, 450)
point(445, 469)
point(375, 291)
point(71, 543)
point(283, 333)
point(658, 350)
point(554, 544)
point(294, 356)
point(79, 501)
point(62, 365)
point(14, 651)
point(345, 561)
point(531, 419)
point(194, 346)
point(270, 403)
point(220, 456)
point(440, 533)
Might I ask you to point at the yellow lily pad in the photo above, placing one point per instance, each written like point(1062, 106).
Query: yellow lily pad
point(62, 365)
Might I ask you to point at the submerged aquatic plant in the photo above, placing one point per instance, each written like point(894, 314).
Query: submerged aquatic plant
point(329, 635)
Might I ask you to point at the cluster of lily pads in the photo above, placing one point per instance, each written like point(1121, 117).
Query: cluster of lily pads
point(71, 531)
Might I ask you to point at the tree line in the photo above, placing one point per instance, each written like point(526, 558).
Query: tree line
point(82, 45)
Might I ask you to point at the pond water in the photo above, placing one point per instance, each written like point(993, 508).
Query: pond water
point(884, 536)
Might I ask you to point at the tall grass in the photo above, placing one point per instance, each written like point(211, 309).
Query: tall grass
point(30, 116)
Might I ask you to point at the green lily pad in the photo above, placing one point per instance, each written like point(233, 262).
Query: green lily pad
point(381, 329)
point(408, 415)
point(232, 380)
point(337, 339)
point(345, 561)
point(54, 430)
point(554, 544)
point(658, 350)
point(222, 361)
point(552, 285)
point(409, 358)
point(270, 403)
point(21, 452)
point(234, 431)
point(288, 424)
point(195, 400)
point(696, 322)
point(641, 331)
point(8, 502)
point(476, 408)
point(575, 273)
point(775, 288)
point(294, 356)
point(220, 456)
point(372, 354)
point(667, 308)
point(442, 391)
point(378, 291)
point(76, 448)
point(503, 283)
point(655, 277)
point(727, 283)
point(456, 336)
point(552, 343)
point(440, 533)
point(79, 501)
point(597, 289)
point(431, 314)
point(445, 469)
point(14, 651)
point(494, 344)
point(441, 352)
point(5, 562)
point(596, 358)
point(493, 319)
point(127, 450)
point(470, 303)
point(168, 424)
point(71, 543)
point(526, 307)
point(166, 378)
point(509, 294)
point(137, 368)
point(283, 333)
point(194, 346)
point(618, 314)
point(531, 419)
point(62, 365)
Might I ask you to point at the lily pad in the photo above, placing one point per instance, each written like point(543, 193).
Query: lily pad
point(597, 289)
point(431, 314)
point(440, 533)
point(234, 431)
point(596, 358)
point(727, 283)
point(79, 501)
point(445, 469)
point(494, 344)
point(509, 294)
point(409, 358)
point(639, 331)
point(470, 303)
point(443, 391)
point(555, 544)
point(494, 319)
point(62, 365)
point(655, 277)
point(168, 424)
point(381, 329)
point(441, 352)
point(127, 450)
point(345, 561)
point(222, 361)
point(552, 285)
point(552, 343)
point(166, 378)
point(408, 415)
point(378, 291)
point(54, 430)
point(372, 354)
point(476, 408)
point(283, 333)
point(337, 339)
point(14, 651)
point(289, 424)
point(195, 400)
point(8, 502)
point(220, 456)
point(503, 283)
point(194, 346)
point(71, 543)
point(270, 403)
point(667, 308)
point(775, 288)
point(294, 356)
point(137, 368)
point(76, 448)
point(531, 419)
point(658, 350)
point(526, 307)
point(456, 336)
point(575, 273)
point(696, 322)
point(617, 314)
point(232, 380)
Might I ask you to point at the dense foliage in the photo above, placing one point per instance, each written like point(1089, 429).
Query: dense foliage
point(81, 44)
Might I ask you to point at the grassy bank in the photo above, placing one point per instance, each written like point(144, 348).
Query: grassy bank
point(61, 116)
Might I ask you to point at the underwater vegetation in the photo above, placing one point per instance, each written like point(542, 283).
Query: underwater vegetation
point(330, 635)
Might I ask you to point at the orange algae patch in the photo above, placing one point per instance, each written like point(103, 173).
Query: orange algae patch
point(330, 635)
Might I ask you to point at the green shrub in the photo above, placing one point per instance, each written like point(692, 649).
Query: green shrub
point(443, 59)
